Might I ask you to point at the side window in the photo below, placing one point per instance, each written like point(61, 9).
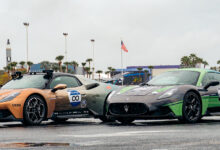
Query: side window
point(210, 76)
point(68, 80)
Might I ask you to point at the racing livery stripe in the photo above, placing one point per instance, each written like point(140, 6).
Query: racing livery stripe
point(126, 89)
point(164, 89)
point(174, 103)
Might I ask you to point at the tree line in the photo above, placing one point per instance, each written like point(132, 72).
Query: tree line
point(59, 65)
point(193, 60)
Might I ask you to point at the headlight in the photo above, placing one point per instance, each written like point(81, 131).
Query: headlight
point(111, 94)
point(10, 97)
point(168, 93)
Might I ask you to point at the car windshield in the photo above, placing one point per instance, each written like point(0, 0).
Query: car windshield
point(176, 78)
point(27, 81)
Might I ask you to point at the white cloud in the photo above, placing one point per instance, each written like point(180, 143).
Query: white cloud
point(154, 31)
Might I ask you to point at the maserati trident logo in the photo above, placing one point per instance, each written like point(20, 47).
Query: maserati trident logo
point(126, 107)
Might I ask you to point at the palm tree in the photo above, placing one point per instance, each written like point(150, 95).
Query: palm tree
point(90, 73)
point(194, 59)
point(185, 61)
point(75, 65)
point(107, 73)
point(13, 65)
point(55, 66)
point(87, 69)
point(83, 65)
point(109, 68)
point(89, 60)
point(99, 72)
point(151, 68)
point(110, 71)
point(213, 68)
point(45, 65)
point(139, 69)
point(29, 63)
point(22, 64)
point(113, 70)
point(205, 63)
point(8, 68)
point(146, 74)
point(59, 59)
point(63, 68)
point(67, 64)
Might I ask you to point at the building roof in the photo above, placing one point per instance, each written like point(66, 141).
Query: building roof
point(157, 67)
point(131, 69)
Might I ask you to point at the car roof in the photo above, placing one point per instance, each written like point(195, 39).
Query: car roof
point(201, 70)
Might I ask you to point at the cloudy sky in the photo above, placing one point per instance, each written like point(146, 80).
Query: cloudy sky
point(156, 32)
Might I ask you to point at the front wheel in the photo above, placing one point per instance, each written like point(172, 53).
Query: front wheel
point(125, 120)
point(34, 110)
point(192, 108)
point(60, 120)
point(106, 119)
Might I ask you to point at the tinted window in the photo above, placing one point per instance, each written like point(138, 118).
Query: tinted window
point(68, 80)
point(176, 78)
point(210, 76)
point(27, 81)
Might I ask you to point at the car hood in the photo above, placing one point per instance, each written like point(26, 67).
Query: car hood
point(143, 90)
point(6, 92)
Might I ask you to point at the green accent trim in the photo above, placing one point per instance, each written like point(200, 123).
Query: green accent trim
point(205, 104)
point(199, 82)
point(163, 89)
point(209, 102)
point(176, 108)
point(209, 96)
point(174, 103)
point(125, 89)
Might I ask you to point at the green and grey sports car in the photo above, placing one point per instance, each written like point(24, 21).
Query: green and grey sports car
point(186, 94)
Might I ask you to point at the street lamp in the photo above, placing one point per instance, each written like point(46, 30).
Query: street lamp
point(26, 24)
point(65, 35)
point(93, 58)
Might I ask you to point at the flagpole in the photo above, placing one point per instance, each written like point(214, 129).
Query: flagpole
point(122, 66)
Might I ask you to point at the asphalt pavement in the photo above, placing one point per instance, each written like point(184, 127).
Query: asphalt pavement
point(92, 134)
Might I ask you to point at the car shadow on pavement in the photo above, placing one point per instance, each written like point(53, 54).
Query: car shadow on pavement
point(49, 124)
point(170, 122)
point(91, 122)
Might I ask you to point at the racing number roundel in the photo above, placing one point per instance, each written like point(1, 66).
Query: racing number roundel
point(74, 97)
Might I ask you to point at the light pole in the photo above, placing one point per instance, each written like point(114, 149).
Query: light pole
point(26, 24)
point(65, 35)
point(93, 58)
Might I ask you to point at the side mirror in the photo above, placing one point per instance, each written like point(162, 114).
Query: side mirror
point(212, 83)
point(59, 87)
point(91, 86)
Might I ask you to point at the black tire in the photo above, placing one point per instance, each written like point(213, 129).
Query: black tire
point(125, 120)
point(192, 108)
point(106, 119)
point(60, 120)
point(34, 110)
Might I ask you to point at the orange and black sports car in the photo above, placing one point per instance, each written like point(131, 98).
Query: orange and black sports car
point(35, 97)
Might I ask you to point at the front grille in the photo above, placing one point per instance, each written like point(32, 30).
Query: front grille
point(128, 108)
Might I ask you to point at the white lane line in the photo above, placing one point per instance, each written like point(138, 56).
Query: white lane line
point(118, 134)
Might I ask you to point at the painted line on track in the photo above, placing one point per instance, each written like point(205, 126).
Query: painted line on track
point(119, 134)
